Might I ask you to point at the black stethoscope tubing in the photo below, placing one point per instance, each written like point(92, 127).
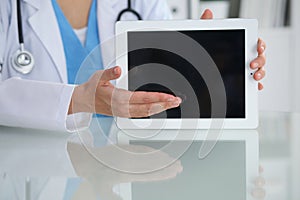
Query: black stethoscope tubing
point(20, 24)
point(23, 61)
point(129, 9)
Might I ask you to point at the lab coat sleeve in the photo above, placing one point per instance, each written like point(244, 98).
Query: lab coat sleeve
point(33, 104)
point(78, 121)
point(39, 105)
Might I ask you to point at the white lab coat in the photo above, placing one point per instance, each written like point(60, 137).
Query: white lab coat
point(41, 99)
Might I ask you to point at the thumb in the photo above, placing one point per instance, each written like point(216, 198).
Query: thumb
point(111, 74)
point(207, 14)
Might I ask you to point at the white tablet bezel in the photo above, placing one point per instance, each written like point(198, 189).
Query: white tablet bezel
point(251, 97)
point(249, 136)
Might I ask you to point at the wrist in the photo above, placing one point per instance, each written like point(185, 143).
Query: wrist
point(70, 111)
point(80, 101)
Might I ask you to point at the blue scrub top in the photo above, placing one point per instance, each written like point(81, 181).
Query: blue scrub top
point(76, 54)
point(82, 61)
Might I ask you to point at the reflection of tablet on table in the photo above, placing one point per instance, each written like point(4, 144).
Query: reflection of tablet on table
point(206, 63)
point(226, 173)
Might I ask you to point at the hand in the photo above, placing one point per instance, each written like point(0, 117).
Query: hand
point(98, 95)
point(258, 63)
point(258, 192)
point(94, 166)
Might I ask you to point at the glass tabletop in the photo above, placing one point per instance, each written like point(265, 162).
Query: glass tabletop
point(100, 163)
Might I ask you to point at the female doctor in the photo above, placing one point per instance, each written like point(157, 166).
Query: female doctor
point(59, 34)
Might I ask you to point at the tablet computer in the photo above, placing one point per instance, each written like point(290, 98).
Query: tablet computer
point(205, 62)
point(228, 171)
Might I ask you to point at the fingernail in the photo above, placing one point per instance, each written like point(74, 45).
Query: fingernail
point(179, 100)
point(258, 75)
point(255, 65)
point(262, 48)
point(176, 103)
point(116, 70)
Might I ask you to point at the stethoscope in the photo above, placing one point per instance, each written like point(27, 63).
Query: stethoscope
point(23, 60)
point(129, 9)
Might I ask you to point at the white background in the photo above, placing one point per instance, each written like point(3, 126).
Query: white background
point(282, 85)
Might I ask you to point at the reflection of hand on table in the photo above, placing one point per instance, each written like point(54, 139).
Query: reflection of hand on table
point(259, 192)
point(95, 167)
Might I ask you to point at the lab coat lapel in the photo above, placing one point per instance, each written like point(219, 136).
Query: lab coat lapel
point(34, 3)
point(44, 24)
point(107, 14)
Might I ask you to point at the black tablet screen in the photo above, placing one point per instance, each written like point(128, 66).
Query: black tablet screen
point(165, 70)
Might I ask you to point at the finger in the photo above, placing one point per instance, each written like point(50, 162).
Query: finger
point(258, 193)
point(260, 74)
point(260, 86)
point(207, 14)
point(260, 181)
point(110, 74)
point(146, 110)
point(258, 62)
point(261, 46)
point(260, 169)
point(150, 97)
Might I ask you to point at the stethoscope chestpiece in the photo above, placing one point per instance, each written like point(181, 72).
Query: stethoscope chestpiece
point(23, 62)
